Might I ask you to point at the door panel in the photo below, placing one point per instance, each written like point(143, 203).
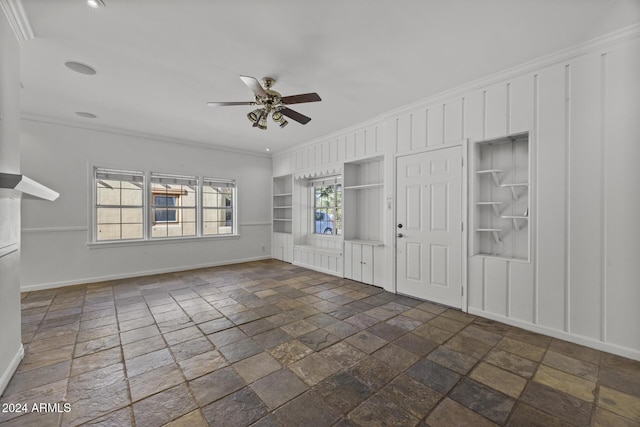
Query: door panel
point(429, 253)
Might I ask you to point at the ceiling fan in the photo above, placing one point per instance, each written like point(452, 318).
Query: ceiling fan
point(271, 102)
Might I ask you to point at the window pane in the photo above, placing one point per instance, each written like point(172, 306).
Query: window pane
point(132, 216)
point(108, 216)
point(165, 200)
point(174, 222)
point(165, 215)
point(327, 215)
point(132, 231)
point(216, 227)
point(115, 192)
point(108, 196)
point(108, 232)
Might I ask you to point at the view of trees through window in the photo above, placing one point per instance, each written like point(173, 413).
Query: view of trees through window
point(328, 209)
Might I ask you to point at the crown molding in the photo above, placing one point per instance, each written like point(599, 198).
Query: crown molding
point(18, 19)
point(598, 44)
point(141, 135)
point(601, 43)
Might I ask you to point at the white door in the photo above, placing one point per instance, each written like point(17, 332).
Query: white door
point(429, 226)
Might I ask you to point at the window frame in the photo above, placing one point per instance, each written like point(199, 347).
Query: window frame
point(334, 181)
point(147, 210)
point(227, 183)
point(175, 208)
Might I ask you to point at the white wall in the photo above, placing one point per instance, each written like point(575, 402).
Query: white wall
point(10, 341)
point(581, 107)
point(55, 236)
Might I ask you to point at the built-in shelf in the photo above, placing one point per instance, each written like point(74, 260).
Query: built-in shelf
point(494, 174)
point(501, 231)
point(363, 186)
point(494, 231)
point(515, 219)
point(494, 205)
point(282, 211)
point(20, 186)
point(365, 242)
point(513, 188)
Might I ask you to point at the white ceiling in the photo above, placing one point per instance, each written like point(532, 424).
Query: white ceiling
point(158, 62)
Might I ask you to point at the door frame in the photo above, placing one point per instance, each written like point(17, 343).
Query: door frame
point(464, 144)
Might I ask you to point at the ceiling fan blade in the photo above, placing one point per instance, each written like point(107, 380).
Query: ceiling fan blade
point(298, 99)
point(254, 85)
point(226, 104)
point(294, 115)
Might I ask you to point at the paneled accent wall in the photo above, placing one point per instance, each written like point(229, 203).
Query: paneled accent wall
point(354, 144)
point(581, 110)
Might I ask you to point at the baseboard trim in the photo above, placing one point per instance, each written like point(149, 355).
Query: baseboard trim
point(576, 339)
point(319, 269)
point(82, 281)
point(11, 369)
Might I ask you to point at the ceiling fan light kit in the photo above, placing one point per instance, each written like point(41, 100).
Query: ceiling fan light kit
point(271, 103)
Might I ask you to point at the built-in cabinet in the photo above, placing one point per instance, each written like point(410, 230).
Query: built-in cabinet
point(359, 260)
point(354, 253)
point(363, 200)
point(282, 242)
point(363, 218)
point(501, 197)
point(282, 247)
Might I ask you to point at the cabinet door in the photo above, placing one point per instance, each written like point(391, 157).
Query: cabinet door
point(356, 262)
point(277, 249)
point(348, 260)
point(367, 264)
point(287, 251)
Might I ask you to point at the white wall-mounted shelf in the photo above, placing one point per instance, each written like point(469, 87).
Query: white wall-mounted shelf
point(363, 186)
point(501, 231)
point(282, 212)
point(494, 231)
point(515, 219)
point(513, 188)
point(494, 174)
point(19, 186)
point(494, 205)
point(365, 242)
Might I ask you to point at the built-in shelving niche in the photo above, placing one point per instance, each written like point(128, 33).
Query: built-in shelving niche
point(500, 197)
point(282, 204)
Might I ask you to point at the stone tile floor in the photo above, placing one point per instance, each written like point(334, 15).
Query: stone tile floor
point(267, 343)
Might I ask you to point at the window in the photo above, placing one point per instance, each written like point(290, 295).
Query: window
point(217, 206)
point(173, 205)
point(168, 214)
point(119, 205)
point(327, 207)
point(141, 206)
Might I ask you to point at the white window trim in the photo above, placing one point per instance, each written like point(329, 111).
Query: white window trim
point(312, 183)
point(92, 243)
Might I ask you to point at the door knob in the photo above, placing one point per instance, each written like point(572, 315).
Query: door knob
point(399, 234)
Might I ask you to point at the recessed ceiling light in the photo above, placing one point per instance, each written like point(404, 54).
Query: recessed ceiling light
point(80, 68)
point(95, 3)
point(86, 115)
point(268, 149)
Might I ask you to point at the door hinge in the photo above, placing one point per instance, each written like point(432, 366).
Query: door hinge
point(462, 291)
point(462, 226)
